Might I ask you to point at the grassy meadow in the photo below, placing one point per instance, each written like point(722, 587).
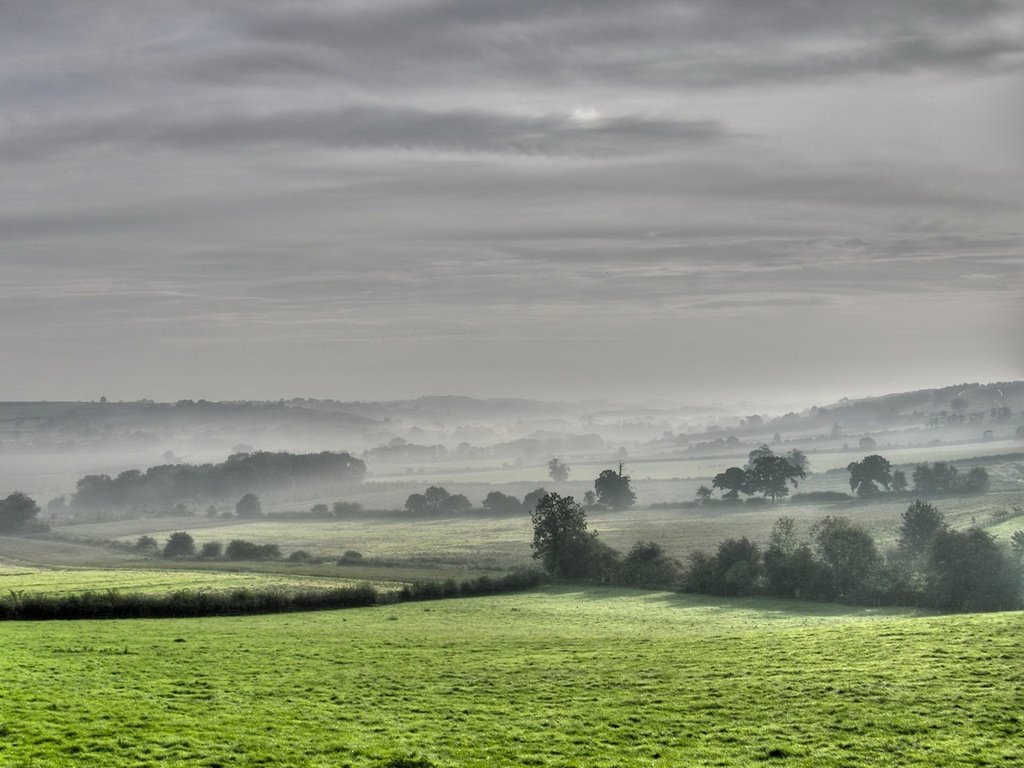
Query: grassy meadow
point(485, 544)
point(556, 677)
point(54, 581)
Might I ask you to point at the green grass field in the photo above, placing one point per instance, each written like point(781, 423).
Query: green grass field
point(50, 581)
point(558, 677)
point(482, 544)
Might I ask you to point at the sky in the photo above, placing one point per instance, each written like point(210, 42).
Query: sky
point(703, 201)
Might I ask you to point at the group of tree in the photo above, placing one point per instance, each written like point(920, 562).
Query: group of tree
point(340, 509)
point(944, 478)
point(181, 546)
point(568, 551)
point(240, 473)
point(932, 564)
point(437, 501)
point(873, 473)
point(765, 473)
point(19, 513)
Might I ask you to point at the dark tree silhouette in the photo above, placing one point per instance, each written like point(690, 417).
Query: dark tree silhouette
point(560, 538)
point(249, 506)
point(180, 544)
point(558, 471)
point(868, 473)
point(613, 489)
point(17, 512)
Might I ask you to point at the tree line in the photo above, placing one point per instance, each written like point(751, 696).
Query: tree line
point(932, 564)
point(240, 473)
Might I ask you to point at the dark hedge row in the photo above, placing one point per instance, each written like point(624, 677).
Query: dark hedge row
point(191, 603)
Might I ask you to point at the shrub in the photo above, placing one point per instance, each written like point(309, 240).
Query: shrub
point(180, 544)
point(211, 550)
point(240, 549)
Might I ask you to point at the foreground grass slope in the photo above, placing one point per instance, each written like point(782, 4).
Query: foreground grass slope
point(555, 677)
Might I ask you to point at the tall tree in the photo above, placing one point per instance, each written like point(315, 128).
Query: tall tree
point(560, 538)
point(868, 473)
point(732, 482)
point(920, 523)
point(614, 490)
point(771, 475)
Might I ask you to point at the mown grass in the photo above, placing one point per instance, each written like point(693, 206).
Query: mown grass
point(556, 677)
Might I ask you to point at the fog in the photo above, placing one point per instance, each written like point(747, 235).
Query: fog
point(47, 447)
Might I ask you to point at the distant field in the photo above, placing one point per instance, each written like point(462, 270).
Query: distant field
point(504, 542)
point(683, 468)
point(40, 581)
point(553, 678)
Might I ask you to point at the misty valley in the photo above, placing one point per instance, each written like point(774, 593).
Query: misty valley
point(483, 564)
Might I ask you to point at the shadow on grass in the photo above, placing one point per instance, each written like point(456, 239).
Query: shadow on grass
point(764, 605)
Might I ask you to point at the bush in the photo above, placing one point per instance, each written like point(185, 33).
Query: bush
point(211, 550)
point(179, 545)
point(240, 549)
point(350, 556)
point(300, 556)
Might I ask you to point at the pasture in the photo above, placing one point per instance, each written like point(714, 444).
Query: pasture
point(53, 581)
point(554, 677)
point(500, 543)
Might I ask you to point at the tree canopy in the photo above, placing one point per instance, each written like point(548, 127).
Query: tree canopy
point(869, 473)
point(17, 512)
point(613, 489)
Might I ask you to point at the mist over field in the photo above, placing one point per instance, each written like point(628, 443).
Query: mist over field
point(435, 383)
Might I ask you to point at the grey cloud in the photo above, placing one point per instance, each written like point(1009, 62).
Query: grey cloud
point(651, 44)
point(374, 127)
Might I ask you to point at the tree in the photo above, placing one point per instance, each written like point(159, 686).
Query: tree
point(558, 471)
point(704, 494)
point(976, 481)
point(457, 503)
point(560, 538)
point(868, 473)
point(849, 553)
point(867, 444)
point(180, 544)
point(737, 567)
point(590, 498)
point(211, 550)
point(436, 498)
point(899, 481)
point(500, 504)
point(789, 566)
point(921, 522)
point(17, 512)
point(613, 489)
point(967, 571)
point(647, 565)
point(732, 482)
point(416, 502)
point(530, 500)
point(771, 475)
point(799, 459)
point(249, 506)
point(146, 545)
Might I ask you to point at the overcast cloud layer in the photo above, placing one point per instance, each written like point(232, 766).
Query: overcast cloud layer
point(703, 200)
